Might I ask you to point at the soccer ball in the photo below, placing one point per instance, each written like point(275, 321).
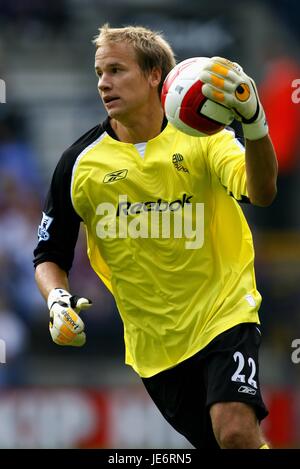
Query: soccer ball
point(186, 108)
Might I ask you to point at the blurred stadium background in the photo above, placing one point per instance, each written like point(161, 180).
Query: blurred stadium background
point(52, 397)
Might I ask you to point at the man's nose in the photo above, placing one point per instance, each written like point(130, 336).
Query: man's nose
point(104, 83)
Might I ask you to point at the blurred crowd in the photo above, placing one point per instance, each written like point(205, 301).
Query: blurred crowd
point(19, 209)
point(35, 127)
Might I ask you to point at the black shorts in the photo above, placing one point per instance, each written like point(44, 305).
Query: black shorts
point(226, 370)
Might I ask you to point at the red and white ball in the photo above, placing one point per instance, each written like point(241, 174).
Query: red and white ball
point(186, 108)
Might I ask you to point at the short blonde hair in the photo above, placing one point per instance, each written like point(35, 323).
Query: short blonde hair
point(152, 50)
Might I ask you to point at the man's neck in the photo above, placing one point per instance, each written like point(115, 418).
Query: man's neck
point(139, 130)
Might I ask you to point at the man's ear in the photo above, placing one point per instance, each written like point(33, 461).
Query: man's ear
point(155, 77)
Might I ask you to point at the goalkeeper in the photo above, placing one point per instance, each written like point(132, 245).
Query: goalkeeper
point(191, 321)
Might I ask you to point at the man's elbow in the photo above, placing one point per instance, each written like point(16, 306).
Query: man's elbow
point(265, 198)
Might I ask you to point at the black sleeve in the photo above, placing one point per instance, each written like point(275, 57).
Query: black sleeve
point(58, 230)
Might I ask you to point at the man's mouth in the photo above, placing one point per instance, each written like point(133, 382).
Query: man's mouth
point(109, 99)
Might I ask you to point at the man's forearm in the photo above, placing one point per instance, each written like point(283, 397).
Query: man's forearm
point(49, 275)
point(261, 168)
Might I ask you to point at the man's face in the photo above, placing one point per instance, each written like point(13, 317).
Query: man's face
point(123, 87)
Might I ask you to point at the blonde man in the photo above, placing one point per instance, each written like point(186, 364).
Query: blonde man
point(190, 311)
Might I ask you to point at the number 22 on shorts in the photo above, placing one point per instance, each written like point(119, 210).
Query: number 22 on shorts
point(238, 376)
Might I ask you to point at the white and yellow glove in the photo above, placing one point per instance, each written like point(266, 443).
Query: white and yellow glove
point(226, 83)
point(66, 327)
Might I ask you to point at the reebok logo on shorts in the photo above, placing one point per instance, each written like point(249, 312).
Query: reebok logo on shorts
point(247, 390)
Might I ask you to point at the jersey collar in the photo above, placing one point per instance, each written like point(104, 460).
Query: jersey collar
point(108, 128)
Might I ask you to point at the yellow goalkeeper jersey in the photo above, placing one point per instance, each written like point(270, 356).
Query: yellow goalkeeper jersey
point(168, 238)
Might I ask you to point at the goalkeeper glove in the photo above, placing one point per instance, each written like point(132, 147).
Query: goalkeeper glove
point(66, 327)
point(226, 83)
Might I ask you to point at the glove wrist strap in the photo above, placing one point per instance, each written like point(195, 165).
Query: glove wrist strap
point(256, 130)
point(57, 294)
